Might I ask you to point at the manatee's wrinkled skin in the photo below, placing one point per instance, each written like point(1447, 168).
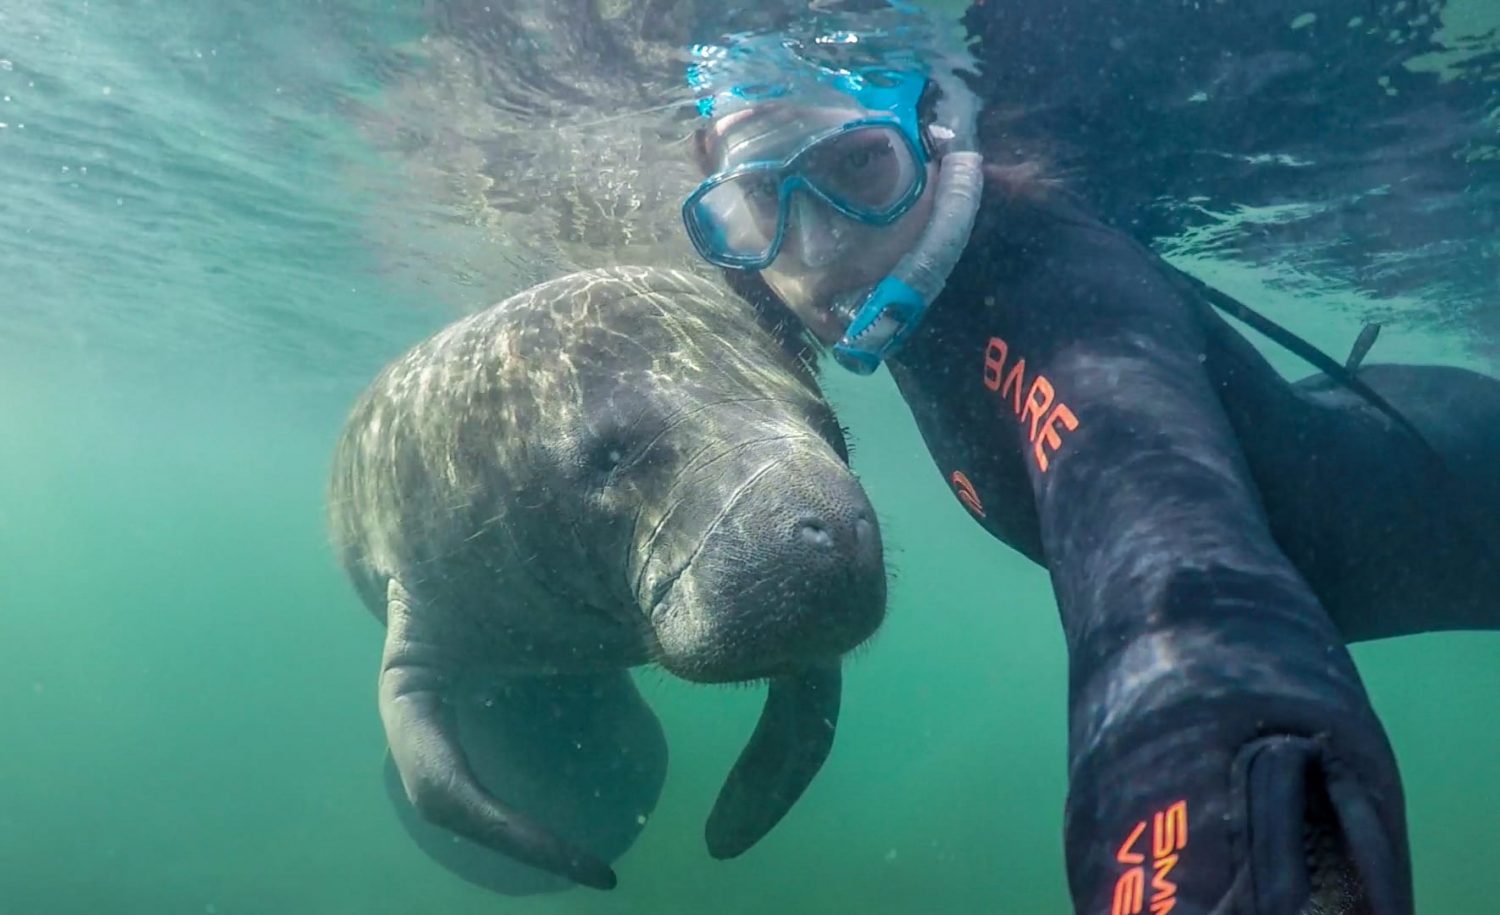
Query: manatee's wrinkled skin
point(617, 467)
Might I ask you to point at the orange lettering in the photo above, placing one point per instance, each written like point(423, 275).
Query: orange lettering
point(1130, 891)
point(1165, 889)
point(994, 360)
point(1045, 434)
point(1169, 832)
point(1051, 439)
point(1125, 855)
point(1168, 837)
point(966, 493)
point(1013, 381)
point(1038, 399)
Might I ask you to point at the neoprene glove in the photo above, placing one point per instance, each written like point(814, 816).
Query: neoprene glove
point(1224, 758)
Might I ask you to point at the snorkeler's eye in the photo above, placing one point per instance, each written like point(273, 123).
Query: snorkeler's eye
point(866, 156)
point(759, 188)
point(865, 169)
point(855, 160)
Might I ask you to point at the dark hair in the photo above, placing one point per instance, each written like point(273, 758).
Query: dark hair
point(932, 94)
point(702, 157)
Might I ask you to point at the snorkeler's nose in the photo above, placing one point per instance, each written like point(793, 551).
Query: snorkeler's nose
point(819, 233)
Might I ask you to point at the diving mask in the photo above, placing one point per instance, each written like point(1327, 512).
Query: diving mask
point(867, 169)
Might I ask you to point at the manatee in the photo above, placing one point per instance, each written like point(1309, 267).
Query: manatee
point(615, 468)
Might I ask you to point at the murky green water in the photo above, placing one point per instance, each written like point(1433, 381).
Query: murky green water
point(202, 265)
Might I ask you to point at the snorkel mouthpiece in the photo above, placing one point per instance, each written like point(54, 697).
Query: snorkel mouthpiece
point(890, 313)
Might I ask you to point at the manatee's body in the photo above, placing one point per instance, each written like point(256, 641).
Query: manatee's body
point(618, 467)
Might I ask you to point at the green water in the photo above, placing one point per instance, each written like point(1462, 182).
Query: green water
point(187, 682)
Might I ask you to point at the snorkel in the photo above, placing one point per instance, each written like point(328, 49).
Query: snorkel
point(875, 319)
point(891, 312)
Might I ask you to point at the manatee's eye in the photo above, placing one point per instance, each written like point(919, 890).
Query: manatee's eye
point(606, 456)
point(610, 445)
point(617, 431)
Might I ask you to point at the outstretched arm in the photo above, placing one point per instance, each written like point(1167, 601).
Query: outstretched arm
point(1222, 750)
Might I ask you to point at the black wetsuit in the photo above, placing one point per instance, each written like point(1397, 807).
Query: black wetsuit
point(1093, 412)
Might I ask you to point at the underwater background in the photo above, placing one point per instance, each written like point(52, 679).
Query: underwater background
point(217, 222)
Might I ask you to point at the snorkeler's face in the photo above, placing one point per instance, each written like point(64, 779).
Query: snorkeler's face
point(825, 257)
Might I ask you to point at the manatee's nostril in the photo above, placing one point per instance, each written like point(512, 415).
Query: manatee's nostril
point(815, 534)
point(864, 529)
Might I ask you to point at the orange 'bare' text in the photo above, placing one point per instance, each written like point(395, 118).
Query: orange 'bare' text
point(1037, 408)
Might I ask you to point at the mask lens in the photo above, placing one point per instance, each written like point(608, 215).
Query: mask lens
point(738, 217)
point(869, 170)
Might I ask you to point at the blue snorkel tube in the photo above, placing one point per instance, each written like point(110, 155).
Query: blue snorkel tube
point(888, 315)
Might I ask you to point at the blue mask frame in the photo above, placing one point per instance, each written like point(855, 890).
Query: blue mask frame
point(708, 239)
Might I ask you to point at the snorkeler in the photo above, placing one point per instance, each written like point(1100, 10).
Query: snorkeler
point(1200, 517)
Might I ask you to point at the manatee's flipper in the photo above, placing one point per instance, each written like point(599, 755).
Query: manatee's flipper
point(1314, 836)
point(791, 740)
point(585, 755)
point(422, 731)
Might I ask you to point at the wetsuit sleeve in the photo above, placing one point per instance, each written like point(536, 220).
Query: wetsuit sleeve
point(1223, 755)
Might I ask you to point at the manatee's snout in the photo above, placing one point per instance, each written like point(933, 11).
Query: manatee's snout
point(789, 571)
